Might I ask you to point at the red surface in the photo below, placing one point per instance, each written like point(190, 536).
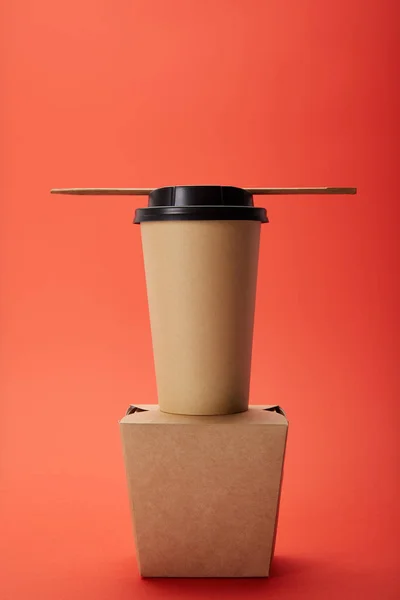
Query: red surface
point(146, 93)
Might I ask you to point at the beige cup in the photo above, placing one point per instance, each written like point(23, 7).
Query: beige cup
point(201, 285)
point(200, 246)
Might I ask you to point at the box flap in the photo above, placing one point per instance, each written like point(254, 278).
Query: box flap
point(150, 413)
point(132, 408)
point(141, 407)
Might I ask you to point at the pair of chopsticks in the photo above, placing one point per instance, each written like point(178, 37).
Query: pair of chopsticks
point(253, 191)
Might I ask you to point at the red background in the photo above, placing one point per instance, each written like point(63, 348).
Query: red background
point(153, 92)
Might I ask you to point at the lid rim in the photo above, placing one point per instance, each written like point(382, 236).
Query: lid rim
point(200, 213)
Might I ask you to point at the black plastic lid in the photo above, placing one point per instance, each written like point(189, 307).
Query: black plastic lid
point(200, 203)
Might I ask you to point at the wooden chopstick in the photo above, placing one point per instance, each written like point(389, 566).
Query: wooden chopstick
point(253, 191)
point(102, 191)
point(301, 190)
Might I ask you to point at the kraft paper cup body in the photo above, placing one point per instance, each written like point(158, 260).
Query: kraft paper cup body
point(201, 285)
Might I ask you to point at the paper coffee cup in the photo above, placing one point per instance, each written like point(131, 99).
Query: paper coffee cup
point(200, 248)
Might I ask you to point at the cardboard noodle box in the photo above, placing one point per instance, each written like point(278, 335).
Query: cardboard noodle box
point(204, 490)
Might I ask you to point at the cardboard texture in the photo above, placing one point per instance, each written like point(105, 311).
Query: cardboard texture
point(204, 491)
point(201, 285)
